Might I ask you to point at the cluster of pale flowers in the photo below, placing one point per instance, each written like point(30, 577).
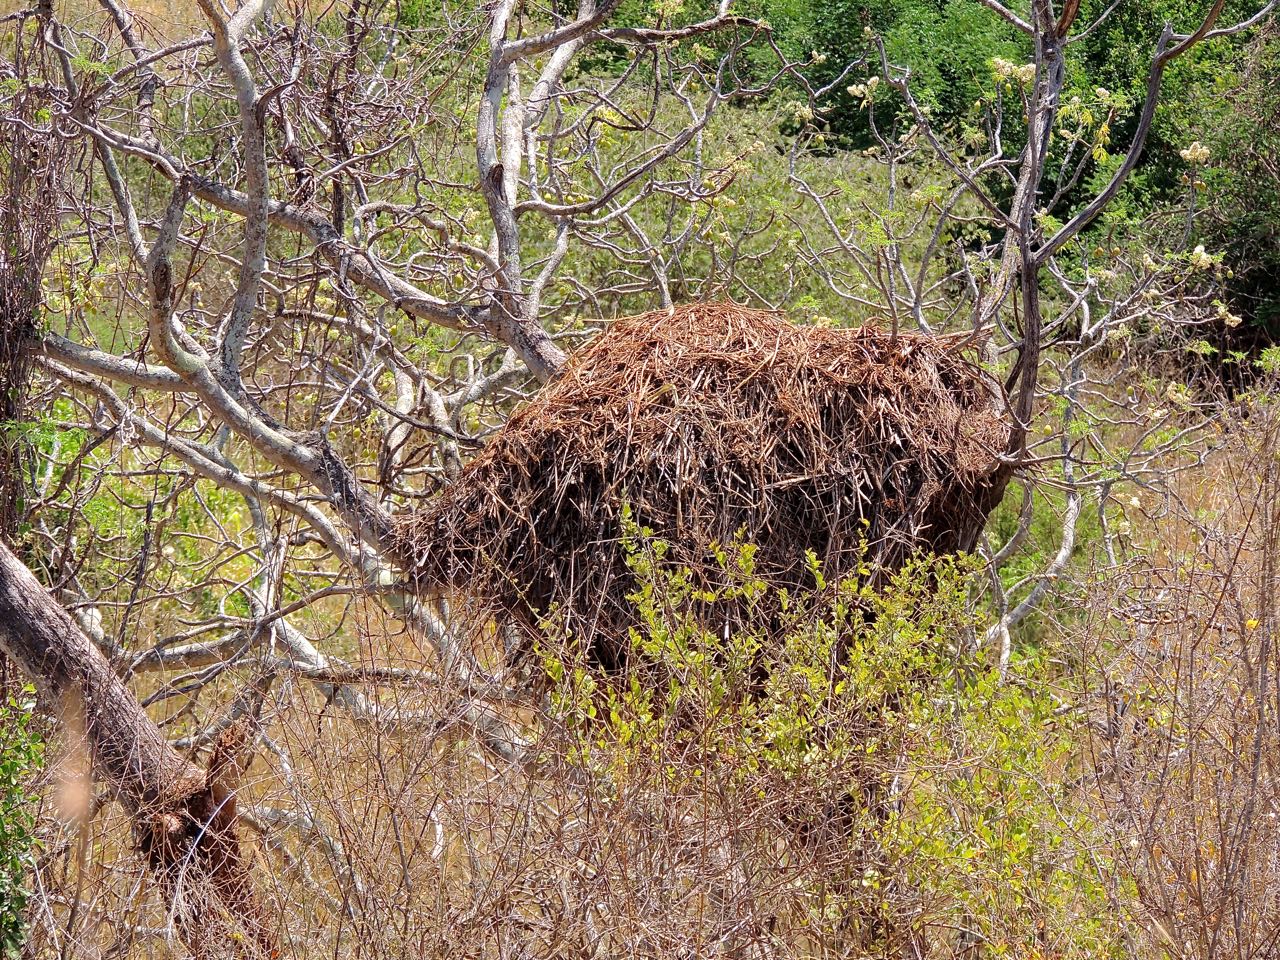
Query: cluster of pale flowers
point(1022, 73)
point(864, 91)
point(1196, 153)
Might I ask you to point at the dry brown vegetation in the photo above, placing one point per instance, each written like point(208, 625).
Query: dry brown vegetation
point(1185, 692)
point(420, 843)
point(711, 424)
point(724, 643)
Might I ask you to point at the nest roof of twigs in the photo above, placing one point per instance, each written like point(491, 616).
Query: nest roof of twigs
point(712, 422)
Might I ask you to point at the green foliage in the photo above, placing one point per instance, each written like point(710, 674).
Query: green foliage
point(954, 49)
point(1044, 536)
point(1241, 128)
point(20, 756)
point(870, 708)
point(1117, 57)
point(1269, 360)
point(949, 47)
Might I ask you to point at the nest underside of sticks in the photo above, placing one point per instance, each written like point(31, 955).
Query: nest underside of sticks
point(713, 424)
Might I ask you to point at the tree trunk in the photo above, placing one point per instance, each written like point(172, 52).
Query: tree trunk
point(183, 817)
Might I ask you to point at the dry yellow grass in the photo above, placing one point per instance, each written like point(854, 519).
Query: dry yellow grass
point(160, 18)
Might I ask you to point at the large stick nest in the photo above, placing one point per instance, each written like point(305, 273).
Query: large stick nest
point(713, 422)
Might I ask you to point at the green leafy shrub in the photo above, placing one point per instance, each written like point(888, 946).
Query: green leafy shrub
point(956, 50)
point(866, 753)
point(20, 755)
point(1242, 182)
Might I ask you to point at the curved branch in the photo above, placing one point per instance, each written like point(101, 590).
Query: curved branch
point(1163, 57)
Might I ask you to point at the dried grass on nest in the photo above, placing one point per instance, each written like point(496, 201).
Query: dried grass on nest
point(710, 422)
